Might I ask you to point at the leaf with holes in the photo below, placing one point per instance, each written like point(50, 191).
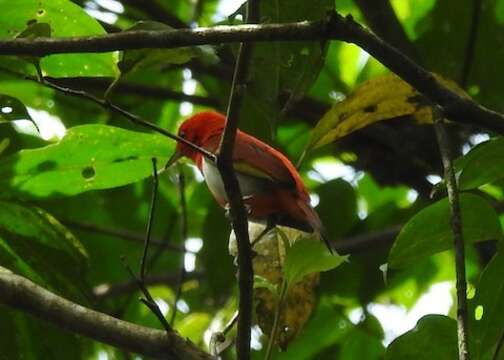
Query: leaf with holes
point(429, 231)
point(485, 309)
point(482, 165)
point(34, 244)
point(89, 157)
point(11, 109)
point(65, 19)
point(381, 98)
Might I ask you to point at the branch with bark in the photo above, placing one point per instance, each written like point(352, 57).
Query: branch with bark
point(22, 294)
point(237, 209)
point(335, 27)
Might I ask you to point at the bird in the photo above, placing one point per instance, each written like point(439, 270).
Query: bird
point(271, 187)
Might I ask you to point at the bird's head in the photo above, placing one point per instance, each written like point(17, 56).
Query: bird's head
point(197, 129)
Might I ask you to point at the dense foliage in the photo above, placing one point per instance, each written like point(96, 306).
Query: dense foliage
point(75, 193)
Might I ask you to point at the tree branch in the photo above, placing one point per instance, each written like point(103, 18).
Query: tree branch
point(456, 225)
point(335, 27)
point(22, 294)
point(233, 192)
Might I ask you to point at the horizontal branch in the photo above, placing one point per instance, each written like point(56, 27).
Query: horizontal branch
point(22, 294)
point(335, 27)
point(305, 30)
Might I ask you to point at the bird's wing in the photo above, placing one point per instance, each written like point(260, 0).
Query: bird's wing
point(255, 158)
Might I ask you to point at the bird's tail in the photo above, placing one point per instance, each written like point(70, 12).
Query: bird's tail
point(315, 222)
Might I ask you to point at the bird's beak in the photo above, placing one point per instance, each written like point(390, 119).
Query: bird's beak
point(176, 155)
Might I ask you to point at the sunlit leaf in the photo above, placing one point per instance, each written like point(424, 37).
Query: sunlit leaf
point(193, 326)
point(381, 98)
point(434, 337)
point(89, 157)
point(308, 256)
point(429, 231)
point(64, 19)
point(486, 317)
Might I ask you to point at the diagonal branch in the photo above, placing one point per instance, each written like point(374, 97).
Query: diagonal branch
point(22, 294)
point(336, 27)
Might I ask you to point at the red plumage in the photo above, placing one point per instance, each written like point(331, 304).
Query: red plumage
point(271, 185)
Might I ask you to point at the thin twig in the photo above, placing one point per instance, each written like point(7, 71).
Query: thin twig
point(112, 107)
point(218, 343)
point(498, 347)
point(106, 290)
point(471, 43)
point(120, 233)
point(456, 225)
point(276, 320)
point(237, 208)
point(148, 300)
point(132, 117)
point(183, 233)
point(150, 220)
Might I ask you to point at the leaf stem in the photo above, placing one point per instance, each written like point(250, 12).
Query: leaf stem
point(276, 319)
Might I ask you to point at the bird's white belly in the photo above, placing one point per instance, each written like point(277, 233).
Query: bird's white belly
point(249, 185)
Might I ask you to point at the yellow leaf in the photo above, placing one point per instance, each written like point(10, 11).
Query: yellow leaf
point(381, 98)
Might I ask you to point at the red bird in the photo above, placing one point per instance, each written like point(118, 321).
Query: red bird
point(271, 186)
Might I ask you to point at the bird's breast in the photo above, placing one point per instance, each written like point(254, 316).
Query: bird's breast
point(249, 185)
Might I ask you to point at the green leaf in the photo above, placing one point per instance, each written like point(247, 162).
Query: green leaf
point(281, 72)
point(443, 25)
point(488, 302)
point(193, 326)
point(434, 337)
point(132, 60)
point(26, 337)
point(306, 256)
point(89, 157)
point(382, 98)
point(214, 255)
point(262, 282)
point(429, 231)
point(65, 19)
point(337, 207)
point(11, 109)
point(34, 244)
point(360, 343)
point(482, 165)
